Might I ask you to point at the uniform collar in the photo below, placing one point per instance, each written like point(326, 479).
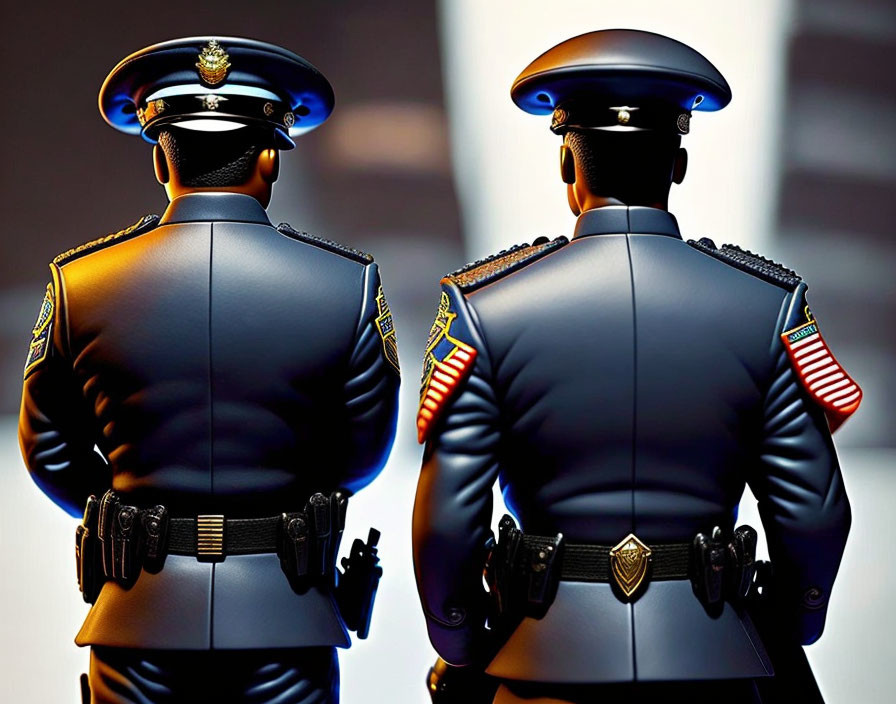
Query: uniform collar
point(212, 206)
point(620, 219)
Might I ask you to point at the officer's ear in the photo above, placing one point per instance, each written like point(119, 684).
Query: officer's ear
point(160, 165)
point(681, 166)
point(268, 165)
point(567, 164)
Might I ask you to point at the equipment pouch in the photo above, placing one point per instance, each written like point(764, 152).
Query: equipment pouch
point(294, 545)
point(154, 525)
point(357, 584)
point(338, 508)
point(107, 511)
point(741, 566)
point(87, 554)
point(127, 558)
point(709, 562)
point(544, 576)
point(317, 511)
point(502, 567)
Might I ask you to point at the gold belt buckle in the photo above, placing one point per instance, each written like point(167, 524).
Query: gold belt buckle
point(629, 561)
point(209, 537)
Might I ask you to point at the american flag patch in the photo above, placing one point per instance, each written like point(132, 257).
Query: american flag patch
point(821, 375)
point(446, 364)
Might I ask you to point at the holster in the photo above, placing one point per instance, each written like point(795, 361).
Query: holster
point(522, 581)
point(88, 560)
point(357, 584)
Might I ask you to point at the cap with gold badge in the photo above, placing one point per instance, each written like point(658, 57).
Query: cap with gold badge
point(216, 84)
point(620, 80)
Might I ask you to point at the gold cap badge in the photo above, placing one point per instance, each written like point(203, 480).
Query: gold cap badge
point(213, 63)
point(628, 563)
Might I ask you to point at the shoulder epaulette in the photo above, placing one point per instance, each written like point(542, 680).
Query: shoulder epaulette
point(144, 224)
point(324, 243)
point(747, 261)
point(484, 271)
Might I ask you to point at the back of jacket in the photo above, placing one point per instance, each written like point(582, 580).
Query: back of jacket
point(220, 367)
point(625, 383)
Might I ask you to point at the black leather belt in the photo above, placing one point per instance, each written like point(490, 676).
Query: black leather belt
point(215, 535)
point(591, 563)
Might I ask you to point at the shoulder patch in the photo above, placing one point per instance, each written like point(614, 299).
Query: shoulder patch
point(144, 224)
point(484, 271)
point(323, 243)
point(41, 333)
point(826, 382)
point(447, 362)
point(747, 261)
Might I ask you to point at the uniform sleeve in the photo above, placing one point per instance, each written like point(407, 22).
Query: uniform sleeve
point(802, 500)
point(56, 434)
point(371, 392)
point(453, 507)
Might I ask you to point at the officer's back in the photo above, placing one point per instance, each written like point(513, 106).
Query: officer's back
point(631, 370)
point(224, 386)
point(624, 386)
point(216, 355)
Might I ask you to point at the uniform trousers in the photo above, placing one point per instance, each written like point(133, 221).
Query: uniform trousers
point(707, 692)
point(281, 676)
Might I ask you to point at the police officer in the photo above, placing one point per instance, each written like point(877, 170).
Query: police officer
point(219, 387)
point(623, 385)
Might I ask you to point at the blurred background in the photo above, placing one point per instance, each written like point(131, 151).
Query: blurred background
point(427, 164)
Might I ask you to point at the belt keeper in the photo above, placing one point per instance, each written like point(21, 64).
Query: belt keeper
point(210, 538)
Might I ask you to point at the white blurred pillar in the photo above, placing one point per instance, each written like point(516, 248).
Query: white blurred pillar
point(506, 162)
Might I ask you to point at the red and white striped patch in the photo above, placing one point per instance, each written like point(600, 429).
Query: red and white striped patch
point(442, 383)
point(821, 375)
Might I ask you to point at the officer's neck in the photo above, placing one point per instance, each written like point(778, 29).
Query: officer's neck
point(590, 201)
point(261, 194)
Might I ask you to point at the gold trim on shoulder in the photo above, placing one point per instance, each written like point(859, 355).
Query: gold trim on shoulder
point(94, 244)
point(213, 63)
point(628, 563)
point(386, 328)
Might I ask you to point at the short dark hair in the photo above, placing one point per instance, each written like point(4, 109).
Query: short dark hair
point(210, 159)
point(635, 167)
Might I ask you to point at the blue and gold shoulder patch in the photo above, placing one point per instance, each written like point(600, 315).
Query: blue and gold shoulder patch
point(41, 333)
point(447, 362)
point(485, 271)
point(144, 224)
point(386, 328)
point(331, 246)
point(747, 261)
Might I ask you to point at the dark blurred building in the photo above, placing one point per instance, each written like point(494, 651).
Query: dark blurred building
point(837, 200)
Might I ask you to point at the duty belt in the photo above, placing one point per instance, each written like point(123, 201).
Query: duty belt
point(132, 538)
point(523, 571)
point(116, 541)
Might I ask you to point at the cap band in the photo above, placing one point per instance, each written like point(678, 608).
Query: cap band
point(216, 106)
point(622, 118)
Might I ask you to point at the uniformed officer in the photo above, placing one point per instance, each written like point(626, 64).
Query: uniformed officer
point(230, 382)
point(624, 385)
